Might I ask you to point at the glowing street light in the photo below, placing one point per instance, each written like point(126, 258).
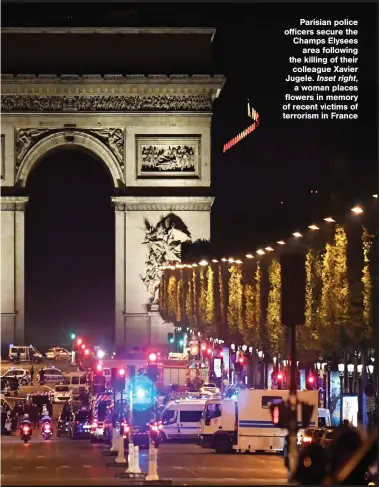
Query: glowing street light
point(260, 252)
point(297, 234)
point(281, 242)
point(231, 260)
point(223, 259)
point(357, 210)
point(375, 196)
point(100, 354)
point(329, 219)
point(194, 265)
point(313, 227)
point(269, 249)
point(238, 261)
point(249, 256)
point(214, 260)
point(203, 263)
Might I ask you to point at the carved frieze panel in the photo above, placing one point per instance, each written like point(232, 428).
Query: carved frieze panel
point(163, 157)
point(112, 138)
point(106, 103)
point(2, 155)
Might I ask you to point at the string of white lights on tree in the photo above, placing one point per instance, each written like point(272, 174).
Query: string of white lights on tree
point(356, 210)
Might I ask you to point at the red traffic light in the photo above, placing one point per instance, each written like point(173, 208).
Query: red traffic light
point(153, 357)
point(280, 376)
point(241, 360)
point(203, 347)
point(99, 367)
point(86, 351)
point(311, 379)
point(121, 372)
point(209, 351)
point(79, 341)
point(83, 346)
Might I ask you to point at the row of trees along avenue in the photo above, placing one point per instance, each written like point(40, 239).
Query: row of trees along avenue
point(240, 300)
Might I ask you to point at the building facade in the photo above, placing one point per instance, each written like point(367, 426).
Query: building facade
point(151, 131)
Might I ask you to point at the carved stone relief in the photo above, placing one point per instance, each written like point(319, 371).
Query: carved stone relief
point(164, 242)
point(113, 138)
point(106, 103)
point(168, 157)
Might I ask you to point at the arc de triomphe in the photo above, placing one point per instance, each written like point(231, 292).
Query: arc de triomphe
point(151, 131)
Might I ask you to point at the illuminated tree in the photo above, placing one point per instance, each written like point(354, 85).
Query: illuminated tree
point(251, 331)
point(334, 306)
point(195, 297)
point(258, 287)
point(273, 319)
point(235, 304)
point(203, 297)
point(221, 294)
point(179, 299)
point(367, 243)
point(189, 301)
point(210, 299)
point(171, 297)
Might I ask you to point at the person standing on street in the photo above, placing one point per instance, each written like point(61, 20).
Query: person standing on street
point(31, 375)
point(41, 377)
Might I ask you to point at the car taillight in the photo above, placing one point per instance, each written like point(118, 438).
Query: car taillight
point(46, 427)
point(154, 427)
point(25, 429)
point(94, 424)
point(78, 422)
point(307, 439)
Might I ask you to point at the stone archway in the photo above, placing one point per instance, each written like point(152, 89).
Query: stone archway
point(107, 144)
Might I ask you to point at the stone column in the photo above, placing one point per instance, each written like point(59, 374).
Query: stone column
point(120, 273)
point(13, 269)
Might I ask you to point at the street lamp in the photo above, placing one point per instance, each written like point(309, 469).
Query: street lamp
point(244, 348)
point(359, 368)
point(370, 369)
point(357, 210)
point(341, 370)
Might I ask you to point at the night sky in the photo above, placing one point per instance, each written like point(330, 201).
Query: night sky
point(262, 186)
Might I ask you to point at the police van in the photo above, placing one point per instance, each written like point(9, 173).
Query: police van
point(180, 419)
point(245, 424)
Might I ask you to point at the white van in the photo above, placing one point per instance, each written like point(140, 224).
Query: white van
point(324, 420)
point(180, 419)
point(27, 353)
point(77, 382)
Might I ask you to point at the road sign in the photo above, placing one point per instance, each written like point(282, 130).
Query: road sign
point(370, 389)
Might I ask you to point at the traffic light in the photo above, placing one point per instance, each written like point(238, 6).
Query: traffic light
point(280, 414)
point(72, 336)
point(279, 378)
point(310, 382)
point(170, 337)
point(152, 367)
point(118, 378)
point(306, 414)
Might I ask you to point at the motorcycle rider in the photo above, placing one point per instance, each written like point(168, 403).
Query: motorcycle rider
point(25, 422)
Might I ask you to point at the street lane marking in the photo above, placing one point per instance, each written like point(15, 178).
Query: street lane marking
point(87, 466)
point(64, 466)
point(40, 466)
point(18, 467)
point(40, 456)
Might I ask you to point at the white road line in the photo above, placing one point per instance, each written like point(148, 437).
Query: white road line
point(40, 466)
point(17, 468)
point(87, 466)
point(64, 466)
point(40, 456)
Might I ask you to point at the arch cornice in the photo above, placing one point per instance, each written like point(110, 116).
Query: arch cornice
point(109, 150)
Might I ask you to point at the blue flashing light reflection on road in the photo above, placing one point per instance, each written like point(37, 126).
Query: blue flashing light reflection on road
point(140, 393)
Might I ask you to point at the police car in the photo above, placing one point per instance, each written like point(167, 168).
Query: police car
point(51, 374)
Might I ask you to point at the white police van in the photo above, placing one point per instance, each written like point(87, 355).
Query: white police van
point(180, 419)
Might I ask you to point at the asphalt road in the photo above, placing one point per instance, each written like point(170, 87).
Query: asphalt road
point(63, 365)
point(61, 461)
